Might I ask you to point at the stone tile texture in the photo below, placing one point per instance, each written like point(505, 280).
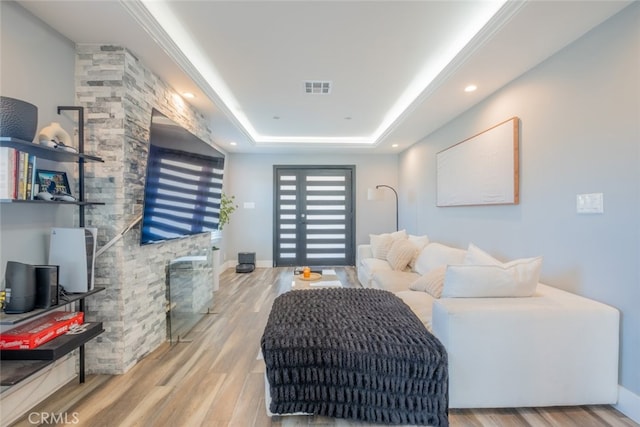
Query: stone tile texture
point(118, 93)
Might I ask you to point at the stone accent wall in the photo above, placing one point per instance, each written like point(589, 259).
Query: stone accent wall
point(118, 93)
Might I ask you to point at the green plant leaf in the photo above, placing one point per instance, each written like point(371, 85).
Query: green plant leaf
point(227, 207)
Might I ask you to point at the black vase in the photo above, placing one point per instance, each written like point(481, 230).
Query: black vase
point(18, 119)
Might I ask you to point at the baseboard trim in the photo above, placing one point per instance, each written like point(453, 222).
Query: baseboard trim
point(259, 264)
point(628, 403)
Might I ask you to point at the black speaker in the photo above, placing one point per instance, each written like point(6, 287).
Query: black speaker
point(20, 285)
point(46, 285)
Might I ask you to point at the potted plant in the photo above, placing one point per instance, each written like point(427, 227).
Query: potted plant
point(227, 207)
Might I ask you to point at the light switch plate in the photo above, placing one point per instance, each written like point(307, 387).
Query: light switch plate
point(591, 203)
point(249, 205)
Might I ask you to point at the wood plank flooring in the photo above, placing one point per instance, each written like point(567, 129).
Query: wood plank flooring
point(215, 378)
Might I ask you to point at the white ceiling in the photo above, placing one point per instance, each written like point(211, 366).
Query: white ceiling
point(246, 61)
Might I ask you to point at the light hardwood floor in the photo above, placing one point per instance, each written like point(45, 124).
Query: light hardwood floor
point(214, 377)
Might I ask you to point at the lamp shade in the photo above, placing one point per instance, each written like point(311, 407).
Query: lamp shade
point(373, 194)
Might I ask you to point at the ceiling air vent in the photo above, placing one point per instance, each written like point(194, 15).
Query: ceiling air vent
point(317, 87)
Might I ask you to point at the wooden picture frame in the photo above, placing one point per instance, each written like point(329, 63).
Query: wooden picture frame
point(482, 169)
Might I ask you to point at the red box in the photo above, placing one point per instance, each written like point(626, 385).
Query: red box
point(39, 331)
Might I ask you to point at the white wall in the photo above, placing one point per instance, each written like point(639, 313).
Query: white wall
point(580, 133)
point(37, 66)
point(44, 77)
point(250, 178)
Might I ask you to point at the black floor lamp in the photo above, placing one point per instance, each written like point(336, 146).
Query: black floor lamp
point(396, 194)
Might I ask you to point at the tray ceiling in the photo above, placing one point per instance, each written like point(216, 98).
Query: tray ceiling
point(395, 71)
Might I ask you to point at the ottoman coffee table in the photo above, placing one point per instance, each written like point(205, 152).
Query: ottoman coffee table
point(353, 353)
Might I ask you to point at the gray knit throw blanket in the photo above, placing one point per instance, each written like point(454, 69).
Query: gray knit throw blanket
point(359, 354)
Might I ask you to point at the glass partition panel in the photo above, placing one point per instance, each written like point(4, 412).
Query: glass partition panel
point(189, 294)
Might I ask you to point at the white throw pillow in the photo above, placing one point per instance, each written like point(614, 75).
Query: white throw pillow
point(400, 234)
point(420, 242)
point(400, 254)
point(431, 283)
point(381, 243)
point(518, 278)
point(435, 255)
point(477, 256)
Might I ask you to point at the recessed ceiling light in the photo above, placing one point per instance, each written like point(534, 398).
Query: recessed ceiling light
point(470, 88)
point(188, 95)
point(394, 145)
point(233, 143)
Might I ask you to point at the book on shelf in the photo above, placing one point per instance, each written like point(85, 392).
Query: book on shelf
point(8, 163)
point(32, 188)
point(23, 161)
point(17, 175)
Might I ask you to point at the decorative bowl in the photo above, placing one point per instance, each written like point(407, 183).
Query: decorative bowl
point(18, 119)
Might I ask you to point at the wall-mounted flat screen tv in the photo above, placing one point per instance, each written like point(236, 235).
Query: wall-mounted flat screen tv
point(183, 183)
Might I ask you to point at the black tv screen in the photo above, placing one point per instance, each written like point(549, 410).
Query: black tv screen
point(183, 183)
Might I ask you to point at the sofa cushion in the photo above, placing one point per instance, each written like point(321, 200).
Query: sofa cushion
point(436, 254)
point(364, 252)
point(514, 279)
point(551, 349)
point(381, 243)
point(420, 303)
point(371, 265)
point(393, 281)
point(431, 283)
point(400, 254)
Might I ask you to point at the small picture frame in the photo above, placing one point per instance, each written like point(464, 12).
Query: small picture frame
point(53, 182)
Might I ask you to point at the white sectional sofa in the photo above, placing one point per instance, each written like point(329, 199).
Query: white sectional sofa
point(540, 347)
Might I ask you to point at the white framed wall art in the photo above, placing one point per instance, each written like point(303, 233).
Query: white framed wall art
point(482, 169)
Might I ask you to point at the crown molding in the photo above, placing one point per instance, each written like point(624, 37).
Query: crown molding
point(499, 20)
point(138, 10)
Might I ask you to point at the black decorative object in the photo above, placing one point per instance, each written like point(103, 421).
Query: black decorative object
point(18, 119)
